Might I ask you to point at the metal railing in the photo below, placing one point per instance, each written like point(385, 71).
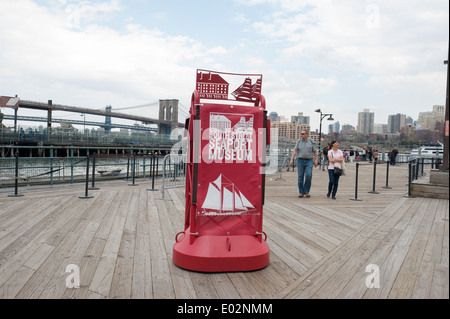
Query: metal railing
point(173, 172)
point(416, 169)
point(61, 165)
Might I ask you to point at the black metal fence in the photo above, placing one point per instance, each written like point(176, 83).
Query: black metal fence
point(416, 169)
point(51, 170)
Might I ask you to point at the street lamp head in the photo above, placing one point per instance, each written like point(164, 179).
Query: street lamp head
point(331, 118)
point(318, 110)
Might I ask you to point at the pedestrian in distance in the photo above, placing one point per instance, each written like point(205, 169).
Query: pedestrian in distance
point(335, 158)
point(325, 156)
point(394, 154)
point(306, 153)
point(375, 156)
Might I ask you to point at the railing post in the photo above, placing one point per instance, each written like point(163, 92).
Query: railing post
point(16, 175)
point(133, 171)
point(416, 169)
point(71, 165)
point(356, 184)
point(374, 179)
point(86, 192)
point(51, 164)
point(387, 176)
point(421, 169)
point(163, 176)
point(93, 173)
point(153, 163)
point(409, 180)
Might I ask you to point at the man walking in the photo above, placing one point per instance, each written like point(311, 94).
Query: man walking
point(325, 155)
point(306, 152)
point(394, 154)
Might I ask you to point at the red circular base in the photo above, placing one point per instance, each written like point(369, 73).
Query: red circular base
point(221, 253)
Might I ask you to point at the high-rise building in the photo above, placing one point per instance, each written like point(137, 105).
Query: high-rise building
point(379, 128)
point(366, 120)
point(396, 122)
point(334, 128)
point(428, 119)
point(273, 117)
point(290, 130)
point(300, 118)
point(347, 128)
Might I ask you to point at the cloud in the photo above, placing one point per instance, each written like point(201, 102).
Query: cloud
point(96, 64)
point(344, 55)
point(381, 37)
point(86, 11)
point(381, 48)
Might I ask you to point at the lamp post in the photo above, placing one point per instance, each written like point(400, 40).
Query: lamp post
point(444, 166)
point(84, 125)
point(322, 116)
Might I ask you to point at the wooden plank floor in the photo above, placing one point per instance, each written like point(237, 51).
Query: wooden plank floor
point(121, 240)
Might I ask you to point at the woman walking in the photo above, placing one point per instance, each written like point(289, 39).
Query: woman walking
point(335, 158)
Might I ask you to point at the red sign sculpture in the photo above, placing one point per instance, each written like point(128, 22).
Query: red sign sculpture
point(225, 177)
point(10, 102)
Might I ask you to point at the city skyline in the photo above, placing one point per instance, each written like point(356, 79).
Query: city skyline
point(325, 123)
point(291, 118)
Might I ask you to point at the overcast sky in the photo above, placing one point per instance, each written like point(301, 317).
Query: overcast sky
point(341, 56)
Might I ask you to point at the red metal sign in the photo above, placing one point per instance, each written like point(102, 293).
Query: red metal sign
point(10, 102)
point(216, 85)
point(229, 189)
point(225, 176)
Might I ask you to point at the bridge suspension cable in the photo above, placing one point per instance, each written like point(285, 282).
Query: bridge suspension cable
point(136, 106)
point(183, 110)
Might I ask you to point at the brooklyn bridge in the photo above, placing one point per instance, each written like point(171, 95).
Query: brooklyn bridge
point(144, 132)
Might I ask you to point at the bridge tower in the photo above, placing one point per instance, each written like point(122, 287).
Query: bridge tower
point(168, 112)
point(49, 118)
point(108, 119)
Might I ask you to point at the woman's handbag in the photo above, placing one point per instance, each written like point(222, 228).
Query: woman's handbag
point(337, 171)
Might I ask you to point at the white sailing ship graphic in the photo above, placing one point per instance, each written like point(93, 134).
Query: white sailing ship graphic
point(225, 199)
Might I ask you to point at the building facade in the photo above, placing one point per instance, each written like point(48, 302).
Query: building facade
point(428, 120)
point(396, 122)
point(408, 130)
point(366, 121)
point(290, 130)
point(334, 128)
point(300, 118)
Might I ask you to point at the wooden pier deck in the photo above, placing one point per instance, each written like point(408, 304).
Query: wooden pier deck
point(122, 240)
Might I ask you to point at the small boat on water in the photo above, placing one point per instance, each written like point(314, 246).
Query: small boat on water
point(429, 151)
point(114, 172)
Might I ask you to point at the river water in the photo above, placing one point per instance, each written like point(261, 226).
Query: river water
point(67, 170)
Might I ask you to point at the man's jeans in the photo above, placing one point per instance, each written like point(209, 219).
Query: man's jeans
point(305, 169)
point(324, 161)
